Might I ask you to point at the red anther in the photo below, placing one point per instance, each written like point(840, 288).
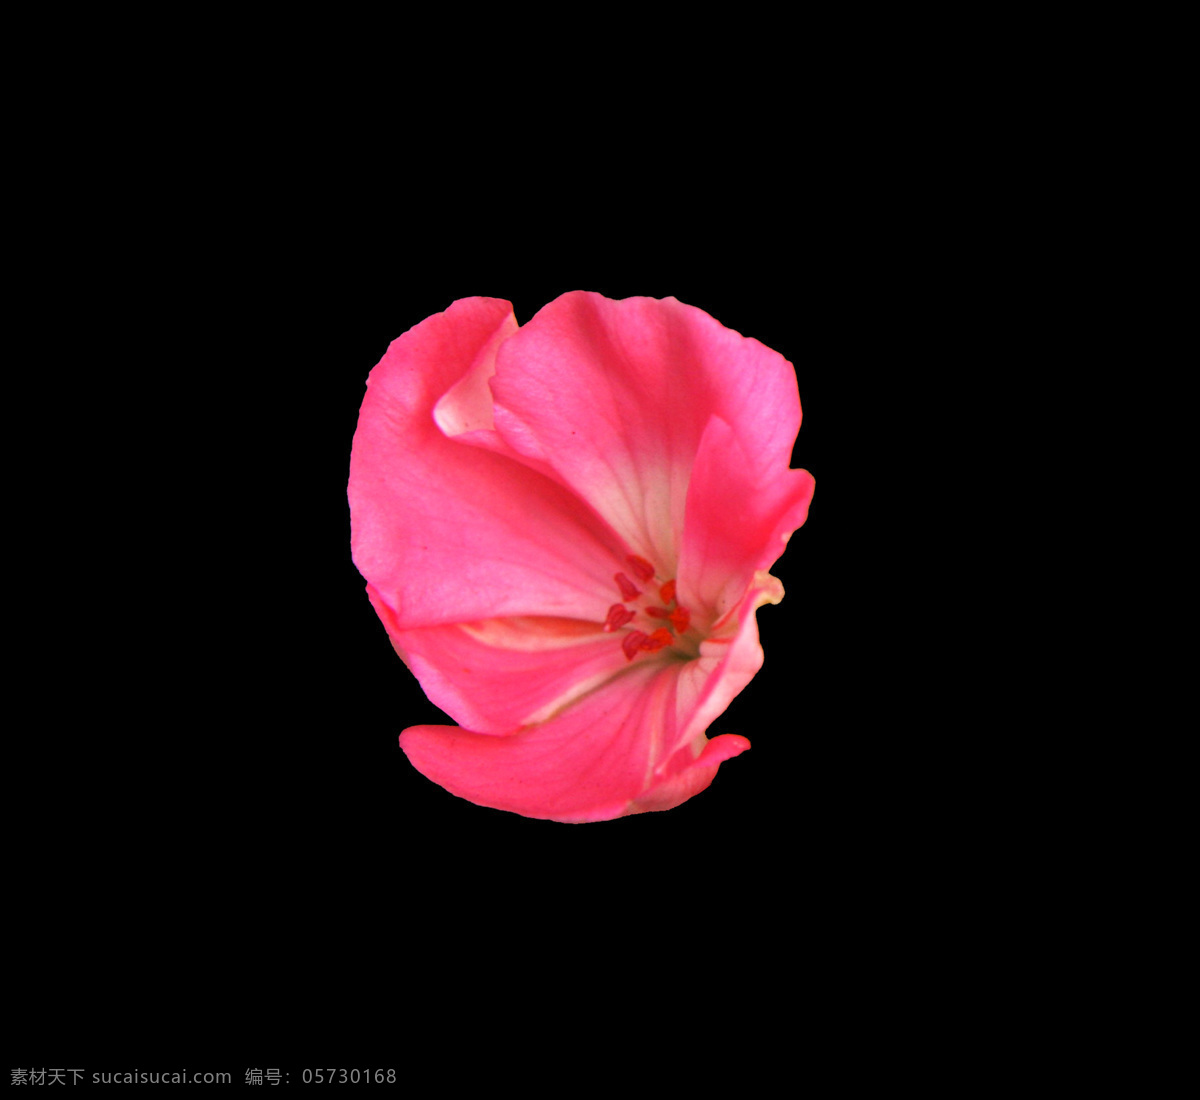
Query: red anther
point(680, 618)
point(628, 591)
point(632, 642)
point(661, 637)
point(642, 568)
point(667, 592)
point(618, 616)
point(658, 613)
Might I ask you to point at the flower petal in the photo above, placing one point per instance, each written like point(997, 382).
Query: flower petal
point(729, 659)
point(632, 744)
point(614, 396)
point(739, 519)
point(594, 761)
point(692, 774)
point(447, 532)
point(497, 675)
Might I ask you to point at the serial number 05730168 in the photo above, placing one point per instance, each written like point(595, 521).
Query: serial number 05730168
point(349, 1076)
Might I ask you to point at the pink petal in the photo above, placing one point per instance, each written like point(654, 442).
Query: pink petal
point(466, 406)
point(632, 744)
point(614, 397)
point(447, 532)
point(595, 761)
point(739, 519)
point(587, 764)
point(728, 661)
point(692, 774)
point(497, 675)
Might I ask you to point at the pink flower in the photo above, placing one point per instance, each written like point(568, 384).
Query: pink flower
point(565, 529)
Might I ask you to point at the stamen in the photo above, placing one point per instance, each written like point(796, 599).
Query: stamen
point(667, 592)
point(660, 638)
point(618, 616)
point(628, 591)
point(641, 568)
point(658, 613)
point(680, 618)
point(632, 642)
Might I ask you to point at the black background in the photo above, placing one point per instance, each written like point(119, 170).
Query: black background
point(232, 825)
point(216, 851)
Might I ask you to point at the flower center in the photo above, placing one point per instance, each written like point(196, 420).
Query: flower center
point(674, 618)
